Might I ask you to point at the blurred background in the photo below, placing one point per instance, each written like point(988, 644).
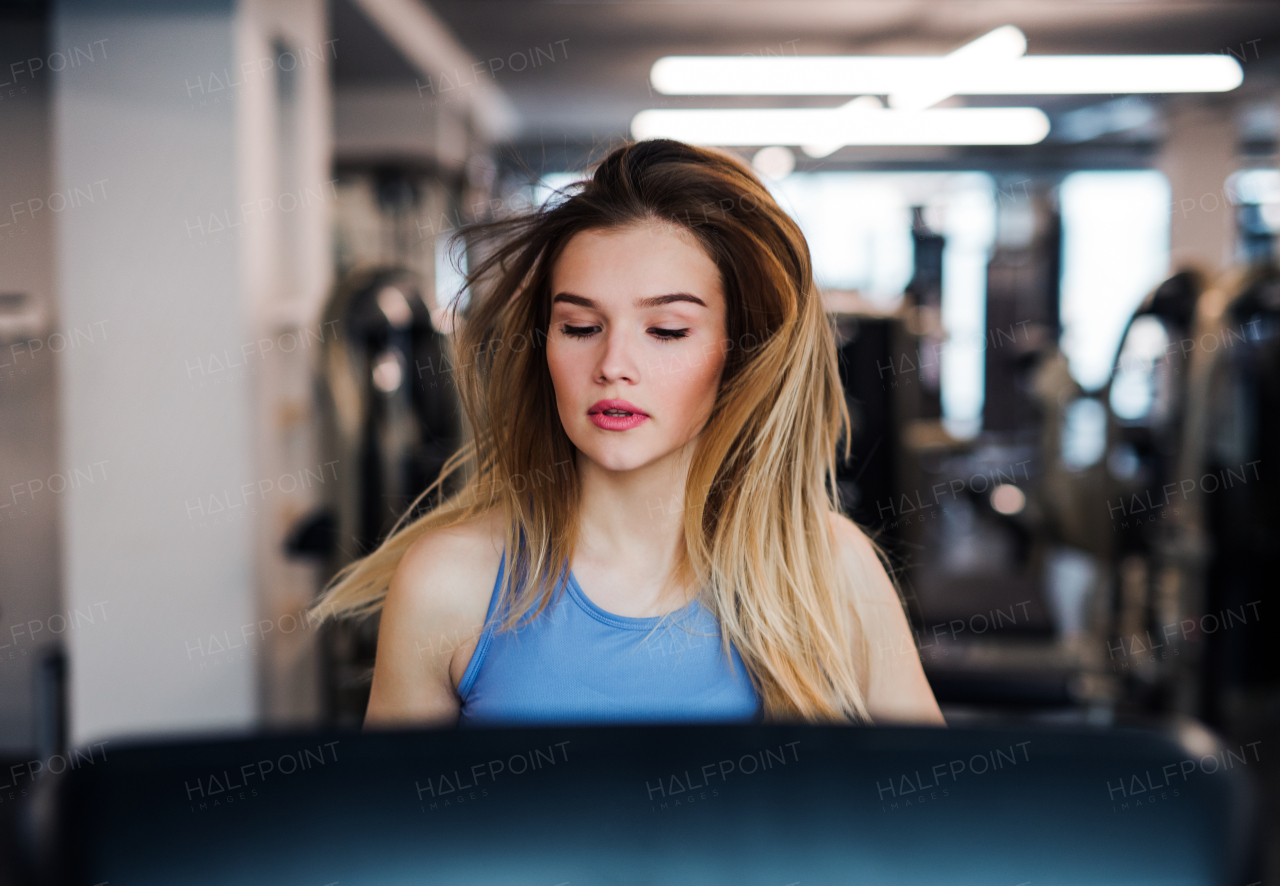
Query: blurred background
point(1045, 232)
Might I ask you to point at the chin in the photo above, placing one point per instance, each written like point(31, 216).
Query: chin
point(613, 453)
point(615, 460)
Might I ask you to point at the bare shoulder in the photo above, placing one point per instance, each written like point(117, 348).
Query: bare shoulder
point(453, 568)
point(872, 583)
point(897, 690)
point(431, 619)
point(849, 534)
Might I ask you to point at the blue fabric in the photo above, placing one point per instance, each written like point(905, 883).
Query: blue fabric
point(577, 663)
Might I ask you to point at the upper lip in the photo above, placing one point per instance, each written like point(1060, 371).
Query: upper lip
point(602, 405)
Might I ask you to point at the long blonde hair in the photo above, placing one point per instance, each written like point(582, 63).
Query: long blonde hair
point(761, 481)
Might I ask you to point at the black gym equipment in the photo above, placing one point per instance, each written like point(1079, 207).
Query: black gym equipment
point(760, 804)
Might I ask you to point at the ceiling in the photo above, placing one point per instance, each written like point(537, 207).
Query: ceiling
point(603, 50)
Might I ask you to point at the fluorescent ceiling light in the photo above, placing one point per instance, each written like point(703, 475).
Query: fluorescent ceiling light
point(852, 124)
point(903, 75)
point(982, 57)
point(861, 103)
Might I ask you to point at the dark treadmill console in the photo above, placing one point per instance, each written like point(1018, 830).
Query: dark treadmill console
point(773, 805)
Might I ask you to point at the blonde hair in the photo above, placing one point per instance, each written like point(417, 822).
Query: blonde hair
point(761, 482)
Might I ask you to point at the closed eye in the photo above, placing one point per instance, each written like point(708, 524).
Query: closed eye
point(660, 333)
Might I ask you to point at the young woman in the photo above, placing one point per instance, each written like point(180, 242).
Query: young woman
point(648, 530)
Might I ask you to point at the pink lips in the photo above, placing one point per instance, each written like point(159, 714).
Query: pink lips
point(634, 415)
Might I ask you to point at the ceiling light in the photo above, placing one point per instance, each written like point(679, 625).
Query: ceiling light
point(974, 60)
point(850, 124)
point(861, 103)
point(903, 75)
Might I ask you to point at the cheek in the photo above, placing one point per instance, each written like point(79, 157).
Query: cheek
point(690, 382)
point(560, 366)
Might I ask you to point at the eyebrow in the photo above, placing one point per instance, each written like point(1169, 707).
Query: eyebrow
point(653, 301)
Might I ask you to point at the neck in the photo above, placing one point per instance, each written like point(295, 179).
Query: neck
point(633, 520)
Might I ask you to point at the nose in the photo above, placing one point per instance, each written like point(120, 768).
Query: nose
point(618, 362)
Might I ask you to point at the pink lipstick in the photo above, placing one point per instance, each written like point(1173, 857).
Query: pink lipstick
point(616, 415)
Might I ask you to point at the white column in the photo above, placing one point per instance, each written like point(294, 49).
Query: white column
point(179, 258)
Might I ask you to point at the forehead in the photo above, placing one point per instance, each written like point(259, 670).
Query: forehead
point(637, 260)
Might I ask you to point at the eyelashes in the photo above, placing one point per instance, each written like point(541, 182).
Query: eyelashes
point(660, 333)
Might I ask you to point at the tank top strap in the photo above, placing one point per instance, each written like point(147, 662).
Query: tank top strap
point(486, 635)
point(491, 619)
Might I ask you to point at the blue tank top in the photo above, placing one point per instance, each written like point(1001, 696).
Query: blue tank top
point(577, 663)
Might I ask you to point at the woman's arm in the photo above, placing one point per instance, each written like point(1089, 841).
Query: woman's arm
point(897, 689)
point(431, 621)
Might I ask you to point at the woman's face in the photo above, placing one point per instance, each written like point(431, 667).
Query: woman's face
point(637, 315)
